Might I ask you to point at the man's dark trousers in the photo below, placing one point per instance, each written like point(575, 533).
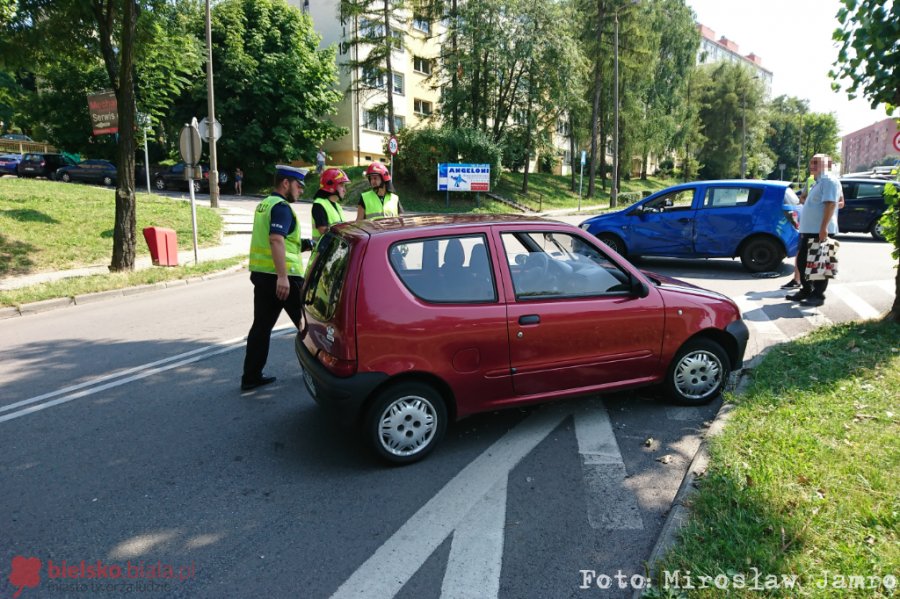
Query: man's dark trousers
point(266, 310)
point(809, 288)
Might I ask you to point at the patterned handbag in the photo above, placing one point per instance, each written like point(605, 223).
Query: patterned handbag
point(821, 260)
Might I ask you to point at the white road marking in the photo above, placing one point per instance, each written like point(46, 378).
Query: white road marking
point(400, 557)
point(118, 379)
point(611, 505)
point(863, 308)
point(764, 332)
point(476, 552)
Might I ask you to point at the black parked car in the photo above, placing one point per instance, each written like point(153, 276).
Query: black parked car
point(863, 206)
point(90, 171)
point(42, 165)
point(173, 177)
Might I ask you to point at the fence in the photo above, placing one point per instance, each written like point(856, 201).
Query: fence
point(11, 146)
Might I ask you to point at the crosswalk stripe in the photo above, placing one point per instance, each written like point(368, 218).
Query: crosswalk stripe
point(863, 308)
point(611, 505)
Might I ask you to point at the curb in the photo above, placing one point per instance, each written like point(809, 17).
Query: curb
point(90, 298)
point(679, 511)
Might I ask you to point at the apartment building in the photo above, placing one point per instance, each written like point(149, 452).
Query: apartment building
point(413, 59)
point(870, 145)
point(716, 50)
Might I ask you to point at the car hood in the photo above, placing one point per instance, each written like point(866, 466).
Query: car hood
point(665, 282)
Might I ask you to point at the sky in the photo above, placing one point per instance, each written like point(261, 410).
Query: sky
point(793, 38)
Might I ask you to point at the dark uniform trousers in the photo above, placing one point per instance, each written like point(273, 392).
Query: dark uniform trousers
point(266, 310)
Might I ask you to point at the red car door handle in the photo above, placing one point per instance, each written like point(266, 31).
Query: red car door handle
point(529, 319)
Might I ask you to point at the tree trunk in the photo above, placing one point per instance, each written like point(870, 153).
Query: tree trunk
point(454, 115)
point(389, 41)
point(121, 77)
point(645, 160)
point(528, 129)
point(894, 314)
point(572, 150)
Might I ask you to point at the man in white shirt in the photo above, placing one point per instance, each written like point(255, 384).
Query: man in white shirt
point(817, 221)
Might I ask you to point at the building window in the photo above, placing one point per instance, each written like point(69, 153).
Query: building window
point(422, 24)
point(373, 32)
point(373, 78)
point(397, 40)
point(377, 121)
point(422, 65)
point(398, 84)
point(422, 107)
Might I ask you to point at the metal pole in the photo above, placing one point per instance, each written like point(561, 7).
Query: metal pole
point(580, 182)
point(799, 151)
point(211, 129)
point(614, 192)
point(146, 160)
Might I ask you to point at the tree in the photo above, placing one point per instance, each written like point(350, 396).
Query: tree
point(869, 58)
point(868, 55)
point(730, 110)
point(74, 47)
point(374, 39)
point(274, 87)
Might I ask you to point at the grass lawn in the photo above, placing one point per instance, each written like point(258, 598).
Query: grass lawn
point(805, 478)
point(46, 225)
point(545, 192)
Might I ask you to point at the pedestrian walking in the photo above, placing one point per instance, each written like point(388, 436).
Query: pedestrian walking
point(380, 201)
point(818, 221)
point(275, 270)
point(238, 181)
point(321, 157)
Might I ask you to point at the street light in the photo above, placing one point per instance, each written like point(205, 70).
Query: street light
point(213, 166)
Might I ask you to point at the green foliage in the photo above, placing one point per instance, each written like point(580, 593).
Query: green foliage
point(274, 87)
point(803, 479)
point(868, 55)
point(730, 103)
point(424, 149)
point(891, 219)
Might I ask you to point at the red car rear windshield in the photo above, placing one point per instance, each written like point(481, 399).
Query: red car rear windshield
point(326, 280)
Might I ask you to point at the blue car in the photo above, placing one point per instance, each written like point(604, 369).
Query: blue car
point(9, 163)
point(707, 219)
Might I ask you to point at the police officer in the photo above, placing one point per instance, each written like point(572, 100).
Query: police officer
point(276, 270)
point(380, 201)
point(326, 209)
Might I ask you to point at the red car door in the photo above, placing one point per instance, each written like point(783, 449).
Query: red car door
point(575, 322)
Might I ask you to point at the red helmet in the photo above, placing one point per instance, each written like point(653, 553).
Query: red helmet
point(331, 178)
point(376, 168)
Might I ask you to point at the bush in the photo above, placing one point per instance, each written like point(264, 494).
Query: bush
point(421, 150)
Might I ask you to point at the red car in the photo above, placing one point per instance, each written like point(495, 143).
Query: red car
point(412, 322)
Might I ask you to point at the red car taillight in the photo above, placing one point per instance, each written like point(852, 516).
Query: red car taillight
point(336, 366)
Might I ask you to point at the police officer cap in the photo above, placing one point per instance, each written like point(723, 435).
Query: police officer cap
point(292, 172)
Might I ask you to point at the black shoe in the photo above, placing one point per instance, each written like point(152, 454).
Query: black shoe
point(248, 384)
point(813, 301)
point(792, 284)
point(796, 297)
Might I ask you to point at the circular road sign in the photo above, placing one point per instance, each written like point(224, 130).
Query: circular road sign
point(393, 146)
point(189, 143)
point(203, 126)
point(897, 141)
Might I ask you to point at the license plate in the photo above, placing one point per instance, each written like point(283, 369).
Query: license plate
point(310, 384)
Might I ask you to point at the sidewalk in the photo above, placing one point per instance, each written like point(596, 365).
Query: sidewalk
point(237, 226)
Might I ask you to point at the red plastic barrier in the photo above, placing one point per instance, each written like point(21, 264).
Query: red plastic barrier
point(163, 244)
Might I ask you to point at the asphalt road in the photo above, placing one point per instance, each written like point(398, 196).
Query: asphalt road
point(126, 441)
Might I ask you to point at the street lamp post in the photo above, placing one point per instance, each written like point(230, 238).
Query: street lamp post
point(213, 166)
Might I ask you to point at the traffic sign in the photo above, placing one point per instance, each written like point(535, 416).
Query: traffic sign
point(897, 141)
point(203, 126)
point(189, 143)
point(393, 146)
